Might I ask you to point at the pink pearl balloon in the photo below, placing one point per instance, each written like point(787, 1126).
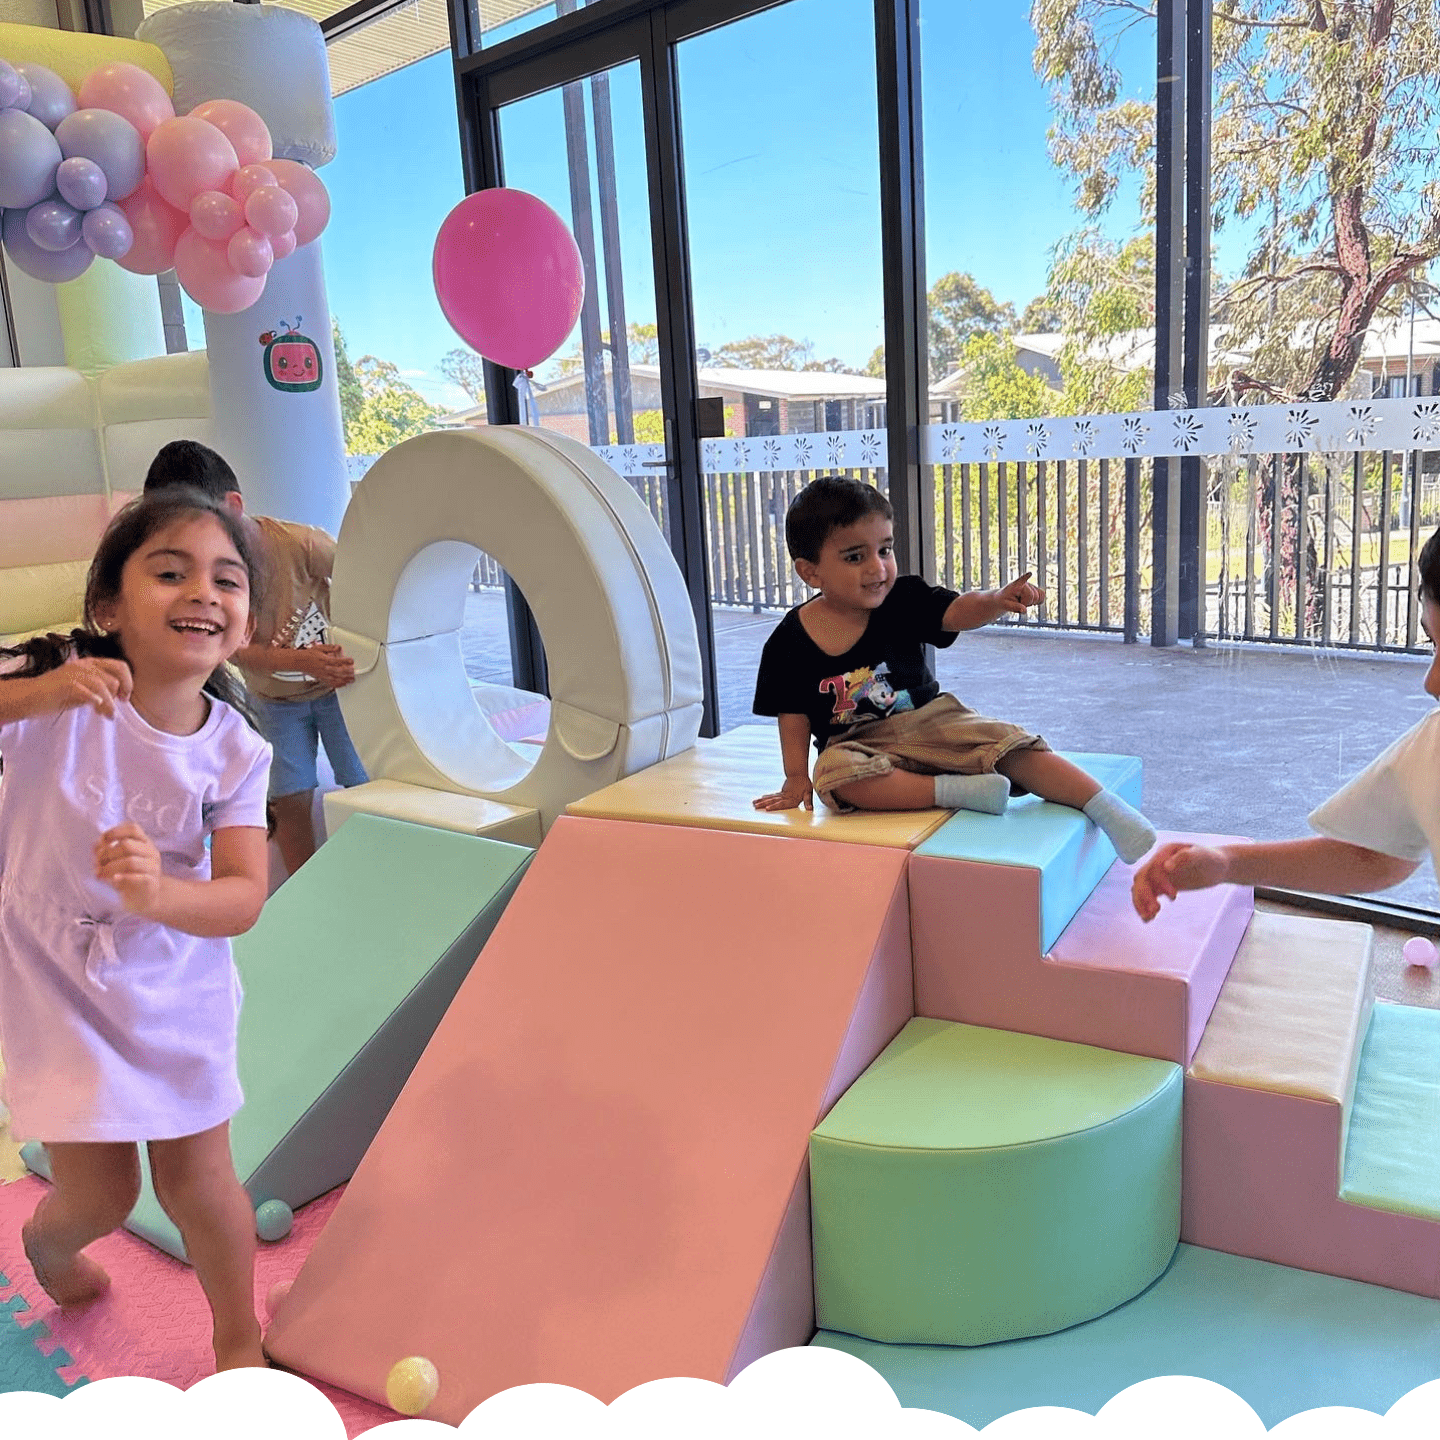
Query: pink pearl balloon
point(187, 156)
point(156, 226)
point(508, 276)
point(129, 91)
point(249, 252)
point(241, 126)
point(248, 179)
point(283, 245)
point(204, 269)
point(271, 211)
point(215, 215)
point(311, 197)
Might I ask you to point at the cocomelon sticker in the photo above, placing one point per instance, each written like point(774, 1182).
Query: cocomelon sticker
point(292, 360)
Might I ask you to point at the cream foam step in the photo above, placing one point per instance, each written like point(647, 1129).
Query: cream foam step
point(1269, 1098)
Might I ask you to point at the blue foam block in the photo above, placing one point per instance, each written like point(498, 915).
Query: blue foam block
point(1070, 853)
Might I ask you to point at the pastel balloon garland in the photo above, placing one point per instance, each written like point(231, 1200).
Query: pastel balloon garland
point(113, 172)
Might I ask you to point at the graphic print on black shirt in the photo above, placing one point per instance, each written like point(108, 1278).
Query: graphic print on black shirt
point(883, 673)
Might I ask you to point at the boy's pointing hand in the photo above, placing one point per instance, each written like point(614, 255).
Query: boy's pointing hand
point(1020, 595)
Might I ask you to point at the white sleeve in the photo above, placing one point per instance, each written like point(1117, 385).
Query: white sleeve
point(245, 806)
point(1393, 805)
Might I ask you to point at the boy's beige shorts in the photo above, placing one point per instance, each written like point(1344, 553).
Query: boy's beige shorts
point(941, 738)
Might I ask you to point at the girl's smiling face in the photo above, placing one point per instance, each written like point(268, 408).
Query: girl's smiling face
point(184, 602)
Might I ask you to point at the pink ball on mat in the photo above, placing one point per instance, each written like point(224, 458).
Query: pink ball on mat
point(1420, 952)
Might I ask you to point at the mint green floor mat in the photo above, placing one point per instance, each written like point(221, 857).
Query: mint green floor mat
point(1392, 1158)
point(22, 1366)
point(1283, 1340)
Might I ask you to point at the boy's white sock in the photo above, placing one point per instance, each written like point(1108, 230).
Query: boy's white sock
point(1128, 830)
point(987, 793)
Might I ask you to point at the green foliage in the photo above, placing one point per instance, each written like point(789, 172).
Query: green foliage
point(773, 352)
point(960, 307)
point(1324, 127)
point(351, 395)
point(994, 387)
point(643, 345)
point(390, 410)
point(467, 370)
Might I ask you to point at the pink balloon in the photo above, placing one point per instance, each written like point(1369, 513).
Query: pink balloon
point(157, 227)
point(271, 211)
point(215, 215)
point(508, 276)
point(250, 178)
point(187, 156)
point(204, 269)
point(241, 126)
point(308, 191)
point(130, 92)
point(249, 252)
point(282, 245)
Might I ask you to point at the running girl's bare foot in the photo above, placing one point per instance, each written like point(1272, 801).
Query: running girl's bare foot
point(73, 1281)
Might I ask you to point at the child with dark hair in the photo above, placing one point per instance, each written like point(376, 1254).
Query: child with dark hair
point(1373, 832)
point(848, 668)
point(291, 668)
point(132, 836)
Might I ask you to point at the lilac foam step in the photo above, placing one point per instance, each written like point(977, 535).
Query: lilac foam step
point(1109, 980)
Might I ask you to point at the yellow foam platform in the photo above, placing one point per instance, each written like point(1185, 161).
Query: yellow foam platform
point(440, 809)
point(1293, 1009)
point(714, 787)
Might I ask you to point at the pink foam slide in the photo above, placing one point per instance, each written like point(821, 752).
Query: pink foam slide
point(596, 1174)
point(1110, 980)
point(1262, 1178)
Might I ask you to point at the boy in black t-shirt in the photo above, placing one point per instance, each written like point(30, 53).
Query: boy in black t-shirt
point(848, 668)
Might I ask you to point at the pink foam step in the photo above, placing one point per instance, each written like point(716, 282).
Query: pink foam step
point(1110, 980)
point(596, 1175)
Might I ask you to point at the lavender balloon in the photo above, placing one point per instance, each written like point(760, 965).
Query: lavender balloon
point(51, 99)
point(10, 83)
point(111, 141)
point(107, 232)
point(48, 265)
point(53, 225)
point(81, 182)
point(29, 157)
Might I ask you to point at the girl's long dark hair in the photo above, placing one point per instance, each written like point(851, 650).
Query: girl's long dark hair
point(126, 533)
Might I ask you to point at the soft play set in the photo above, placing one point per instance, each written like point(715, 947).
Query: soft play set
point(628, 1079)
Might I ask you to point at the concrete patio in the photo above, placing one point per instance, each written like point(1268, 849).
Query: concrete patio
point(1240, 740)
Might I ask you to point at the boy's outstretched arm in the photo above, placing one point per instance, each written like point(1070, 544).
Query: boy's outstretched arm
point(1316, 863)
point(979, 607)
point(795, 752)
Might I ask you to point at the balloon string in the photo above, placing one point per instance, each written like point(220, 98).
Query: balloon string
point(529, 407)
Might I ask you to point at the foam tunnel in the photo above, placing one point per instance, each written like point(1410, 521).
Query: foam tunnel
point(620, 640)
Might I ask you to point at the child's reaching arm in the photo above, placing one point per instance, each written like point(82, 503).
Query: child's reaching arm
point(228, 903)
point(92, 681)
point(795, 752)
point(979, 607)
point(1317, 863)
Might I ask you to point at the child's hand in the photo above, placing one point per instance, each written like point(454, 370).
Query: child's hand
point(1020, 595)
point(797, 791)
point(328, 664)
point(1171, 869)
point(92, 681)
point(126, 858)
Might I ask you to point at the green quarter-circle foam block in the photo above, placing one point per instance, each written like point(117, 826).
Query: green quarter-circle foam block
point(979, 1185)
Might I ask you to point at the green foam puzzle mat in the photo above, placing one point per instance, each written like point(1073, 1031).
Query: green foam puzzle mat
point(1283, 1340)
point(975, 1185)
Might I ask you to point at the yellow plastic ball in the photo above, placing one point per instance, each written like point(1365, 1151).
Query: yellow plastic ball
point(412, 1385)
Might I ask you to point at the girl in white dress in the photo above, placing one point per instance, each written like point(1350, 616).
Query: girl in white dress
point(132, 845)
point(1372, 833)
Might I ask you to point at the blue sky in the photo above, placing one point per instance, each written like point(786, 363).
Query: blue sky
point(782, 179)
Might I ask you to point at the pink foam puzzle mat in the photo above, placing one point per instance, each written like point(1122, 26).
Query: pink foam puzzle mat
point(596, 1175)
point(1108, 979)
point(153, 1321)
